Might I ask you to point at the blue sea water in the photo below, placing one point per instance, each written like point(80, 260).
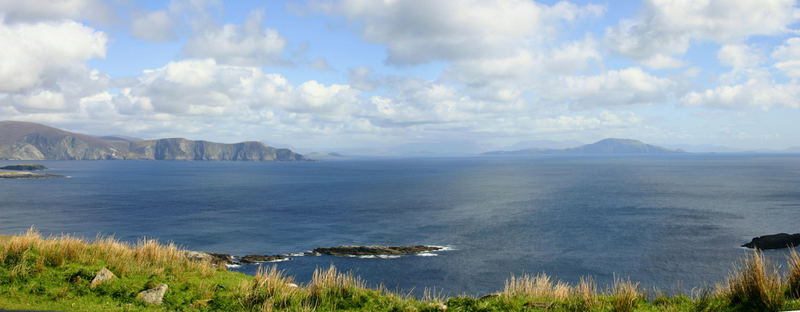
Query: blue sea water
point(675, 222)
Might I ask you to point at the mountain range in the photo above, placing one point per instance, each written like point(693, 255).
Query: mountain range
point(32, 141)
point(602, 147)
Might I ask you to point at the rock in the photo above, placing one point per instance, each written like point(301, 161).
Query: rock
point(489, 296)
point(341, 251)
point(774, 241)
point(540, 305)
point(213, 258)
point(102, 276)
point(153, 295)
point(25, 167)
point(264, 258)
point(292, 285)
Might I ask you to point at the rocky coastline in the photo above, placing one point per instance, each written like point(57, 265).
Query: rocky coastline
point(774, 241)
point(28, 175)
point(337, 251)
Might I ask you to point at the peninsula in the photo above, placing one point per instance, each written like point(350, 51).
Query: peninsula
point(31, 141)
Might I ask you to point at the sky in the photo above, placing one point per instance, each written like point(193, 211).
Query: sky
point(389, 76)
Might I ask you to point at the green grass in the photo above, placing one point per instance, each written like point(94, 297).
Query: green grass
point(54, 273)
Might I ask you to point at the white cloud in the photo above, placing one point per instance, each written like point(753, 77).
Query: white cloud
point(738, 56)
point(43, 100)
point(787, 57)
point(245, 45)
point(156, 26)
point(663, 28)
point(203, 87)
point(43, 65)
point(628, 86)
point(33, 53)
point(421, 31)
point(751, 94)
point(16, 11)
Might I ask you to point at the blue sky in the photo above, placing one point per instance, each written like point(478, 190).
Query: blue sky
point(378, 77)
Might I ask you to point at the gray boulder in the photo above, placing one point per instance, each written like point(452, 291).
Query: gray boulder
point(153, 295)
point(102, 276)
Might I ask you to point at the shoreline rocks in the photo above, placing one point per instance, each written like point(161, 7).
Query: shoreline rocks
point(345, 251)
point(215, 258)
point(28, 175)
point(774, 241)
point(337, 251)
point(264, 258)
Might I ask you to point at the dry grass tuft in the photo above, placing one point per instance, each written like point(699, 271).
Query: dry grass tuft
point(624, 295)
point(755, 283)
point(538, 286)
point(334, 281)
point(269, 290)
point(586, 294)
point(793, 278)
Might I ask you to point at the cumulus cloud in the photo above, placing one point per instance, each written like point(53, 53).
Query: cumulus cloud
point(203, 87)
point(156, 26)
point(752, 94)
point(663, 29)
point(43, 65)
point(421, 31)
point(16, 11)
point(787, 57)
point(738, 56)
point(32, 53)
point(628, 86)
point(245, 45)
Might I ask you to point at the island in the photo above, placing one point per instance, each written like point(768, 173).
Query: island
point(24, 167)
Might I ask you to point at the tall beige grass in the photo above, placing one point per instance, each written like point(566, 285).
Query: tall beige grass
point(624, 294)
point(793, 274)
point(147, 256)
point(756, 283)
point(271, 290)
point(539, 286)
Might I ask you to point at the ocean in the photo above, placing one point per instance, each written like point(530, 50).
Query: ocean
point(671, 222)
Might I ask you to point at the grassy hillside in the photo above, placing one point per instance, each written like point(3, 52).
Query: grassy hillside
point(55, 273)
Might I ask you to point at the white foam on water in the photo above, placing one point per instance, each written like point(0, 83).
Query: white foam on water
point(443, 248)
point(379, 257)
point(427, 254)
point(296, 254)
point(364, 257)
point(280, 260)
point(232, 266)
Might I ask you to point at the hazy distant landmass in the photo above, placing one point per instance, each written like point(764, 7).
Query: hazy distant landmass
point(606, 146)
point(31, 141)
point(324, 156)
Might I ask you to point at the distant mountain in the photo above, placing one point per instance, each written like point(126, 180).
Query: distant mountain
point(621, 146)
point(543, 144)
point(602, 147)
point(705, 148)
point(31, 141)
